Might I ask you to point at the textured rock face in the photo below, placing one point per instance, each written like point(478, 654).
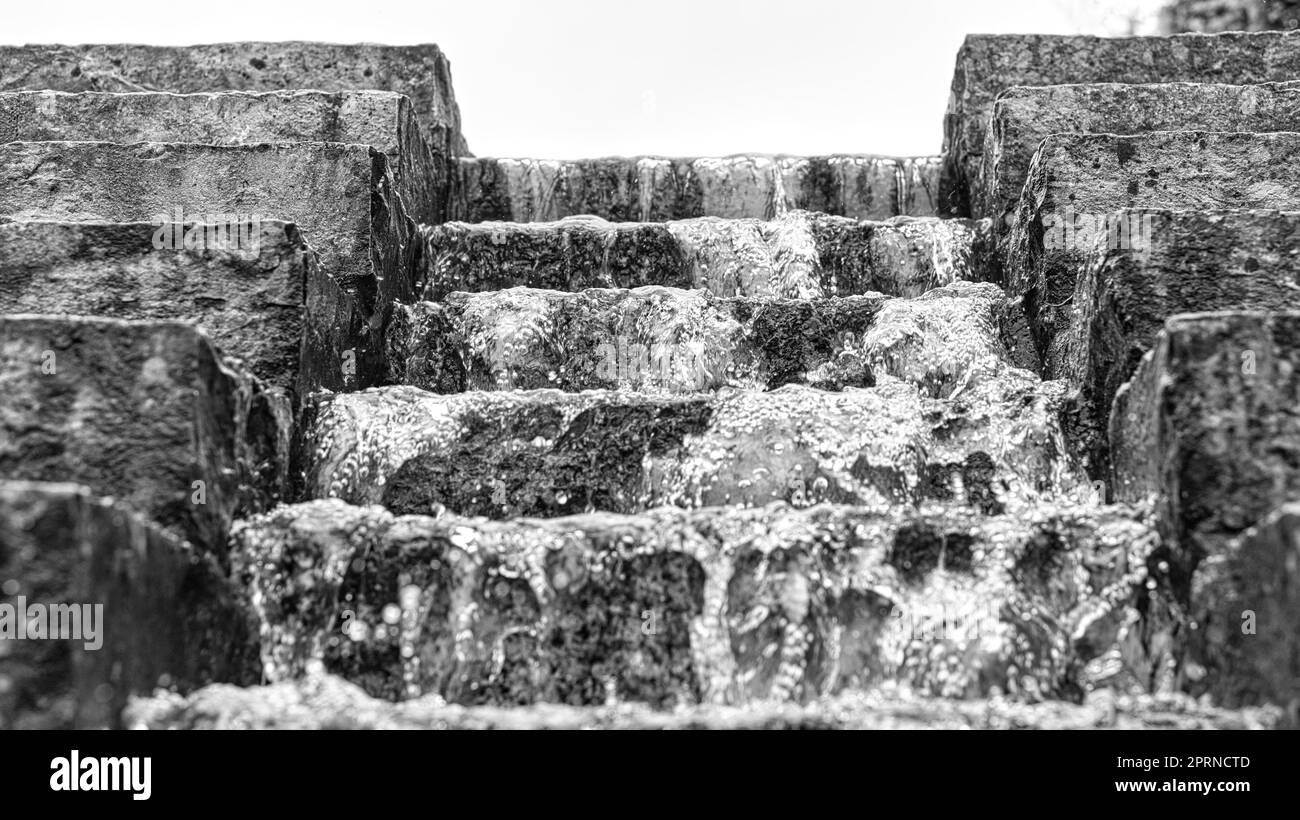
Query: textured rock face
point(717, 606)
point(1023, 117)
point(645, 189)
point(668, 340)
point(995, 443)
point(248, 296)
point(1187, 262)
point(167, 616)
point(145, 411)
point(1076, 182)
point(1246, 605)
point(989, 64)
point(1207, 428)
point(341, 196)
point(420, 72)
point(1229, 15)
point(382, 120)
point(328, 702)
point(799, 255)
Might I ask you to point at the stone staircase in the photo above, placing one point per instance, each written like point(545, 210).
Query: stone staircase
point(346, 427)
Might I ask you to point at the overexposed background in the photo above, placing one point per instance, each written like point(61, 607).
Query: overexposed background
point(579, 78)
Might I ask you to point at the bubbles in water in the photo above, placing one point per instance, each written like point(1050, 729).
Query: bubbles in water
point(410, 596)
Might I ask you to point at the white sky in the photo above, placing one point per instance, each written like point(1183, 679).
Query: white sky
point(579, 78)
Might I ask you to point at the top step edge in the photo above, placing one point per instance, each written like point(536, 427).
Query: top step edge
point(1026, 90)
point(280, 93)
point(224, 43)
point(742, 155)
point(1276, 36)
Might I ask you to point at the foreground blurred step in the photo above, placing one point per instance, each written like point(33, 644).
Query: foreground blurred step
point(677, 607)
point(1246, 606)
point(1208, 428)
point(1184, 262)
point(1076, 183)
point(144, 411)
point(421, 72)
point(1024, 117)
point(655, 189)
point(341, 196)
point(995, 443)
point(655, 339)
point(987, 65)
point(382, 120)
point(328, 702)
point(798, 255)
point(123, 606)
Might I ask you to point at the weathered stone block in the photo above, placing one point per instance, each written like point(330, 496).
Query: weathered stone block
point(1245, 649)
point(987, 65)
point(1207, 429)
point(994, 443)
point(657, 189)
point(144, 411)
point(799, 255)
point(1023, 117)
point(666, 340)
point(420, 72)
point(1185, 262)
point(341, 196)
point(245, 289)
point(1076, 182)
point(381, 120)
point(677, 607)
point(149, 611)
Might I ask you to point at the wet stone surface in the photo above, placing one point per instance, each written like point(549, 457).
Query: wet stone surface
point(799, 255)
point(656, 189)
point(994, 440)
point(654, 339)
point(718, 605)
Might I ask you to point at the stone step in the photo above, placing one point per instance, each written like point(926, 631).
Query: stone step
point(1079, 179)
point(244, 289)
point(667, 340)
point(676, 607)
point(656, 189)
point(1246, 607)
point(1175, 262)
point(420, 72)
point(254, 287)
point(1207, 428)
point(987, 65)
point(341, 196)
point(380, 119)
point(994, 443)
point(1023, 117)
point(328, 702)
point(797, 255)
point(144, 411)
point(1206, 435)
point(138, 609)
